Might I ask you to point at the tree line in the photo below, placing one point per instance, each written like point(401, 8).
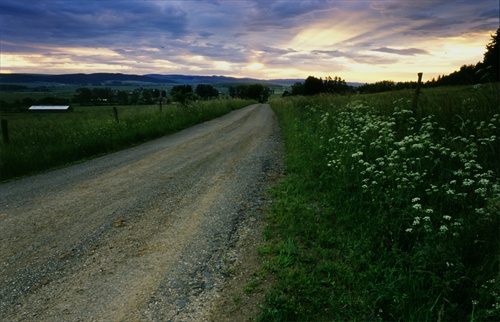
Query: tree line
point(256, 92)
point(182, 94)
point(483, 72)
point(185, 93)
point(313, 86)
point(487, 71)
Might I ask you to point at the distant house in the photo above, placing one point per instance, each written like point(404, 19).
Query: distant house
point(50, 108)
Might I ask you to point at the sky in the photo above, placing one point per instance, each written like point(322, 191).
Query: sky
point(358, 40)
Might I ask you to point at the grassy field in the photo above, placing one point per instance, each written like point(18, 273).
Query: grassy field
point(42, 141)
point(386, 213)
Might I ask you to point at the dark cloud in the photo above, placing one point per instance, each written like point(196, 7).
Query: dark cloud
point(404, 52)
point(274, 50)
point(283, 13)
point(351, 54)
point(439, 18)
point(373, 60)
point(205, 34)
point(63, 22)
point(239, 34)
point(330, 53)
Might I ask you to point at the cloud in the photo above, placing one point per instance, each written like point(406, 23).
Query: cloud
point(264, 38)
point(404, 52)
point(284, 14)
point(63, 22)
point(330, 53)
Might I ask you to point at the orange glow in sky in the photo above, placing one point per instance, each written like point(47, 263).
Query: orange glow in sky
point(360, 41)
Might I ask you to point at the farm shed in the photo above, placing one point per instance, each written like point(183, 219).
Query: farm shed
point(50, 108)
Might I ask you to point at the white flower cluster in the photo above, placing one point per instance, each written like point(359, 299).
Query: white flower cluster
point(367, 143)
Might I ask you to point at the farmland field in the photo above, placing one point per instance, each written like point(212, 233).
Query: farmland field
point(41, 141)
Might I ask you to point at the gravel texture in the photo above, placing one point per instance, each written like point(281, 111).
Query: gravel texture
point(164, 231)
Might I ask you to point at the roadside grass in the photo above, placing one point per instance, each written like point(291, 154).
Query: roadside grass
point(42, 141)
point(385, 214)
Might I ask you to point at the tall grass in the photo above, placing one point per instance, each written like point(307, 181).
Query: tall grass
point(386, 214)
point(42, 141)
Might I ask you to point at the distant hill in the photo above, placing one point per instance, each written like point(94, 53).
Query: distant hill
point(109, 79)
point(77, 79)
point(127, 79)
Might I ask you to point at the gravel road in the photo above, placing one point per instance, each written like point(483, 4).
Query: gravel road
point(144, 234)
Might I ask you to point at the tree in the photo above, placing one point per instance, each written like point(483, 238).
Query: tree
point(102, 96)
point(182, 93)
point(205, 91)
point(491, 59)
point(335, 85)
point(83, 96)
point(313, 86)
point(147, 96)
point(377, 87)
point(239, 91)
point(258, 92)
point(298, 88)
point(122, 97)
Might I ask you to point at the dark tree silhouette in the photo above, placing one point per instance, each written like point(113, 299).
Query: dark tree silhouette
point(256, 92)
point(313, 86)
point(298, 88)
point(205, 91)
point(182, 93)
point(491, 59)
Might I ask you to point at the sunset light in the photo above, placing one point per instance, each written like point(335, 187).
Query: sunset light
point(361, 41)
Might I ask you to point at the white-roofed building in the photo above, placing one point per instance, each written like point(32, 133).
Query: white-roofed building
point(50, 108)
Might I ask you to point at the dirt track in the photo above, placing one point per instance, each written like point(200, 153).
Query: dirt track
point(147, 233)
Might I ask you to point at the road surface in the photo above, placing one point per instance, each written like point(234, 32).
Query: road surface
point(141, 234)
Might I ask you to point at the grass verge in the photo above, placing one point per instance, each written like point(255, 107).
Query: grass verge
point(387, 213)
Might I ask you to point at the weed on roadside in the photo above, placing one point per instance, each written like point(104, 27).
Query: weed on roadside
point(387, 213)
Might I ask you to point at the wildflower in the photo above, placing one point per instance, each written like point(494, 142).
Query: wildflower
point(429, 211)
point(417, 199)
point(417, 206)
point(467, 182)
point(481, 191)
point(426, 218)
point(446, 217)
point(443, 228)
point(484, 182)
point(416, 221)
point(409, 230)
point(417, 146)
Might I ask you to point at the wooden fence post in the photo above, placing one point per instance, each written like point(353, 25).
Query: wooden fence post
point(417, 93)
point(115, 110)
point(5, 131)
point(161, 105)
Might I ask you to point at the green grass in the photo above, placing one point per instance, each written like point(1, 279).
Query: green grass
point(386, 214)
point(43, 141)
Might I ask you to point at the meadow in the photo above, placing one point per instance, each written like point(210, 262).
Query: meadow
point(42, 141)
point(387, 212)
